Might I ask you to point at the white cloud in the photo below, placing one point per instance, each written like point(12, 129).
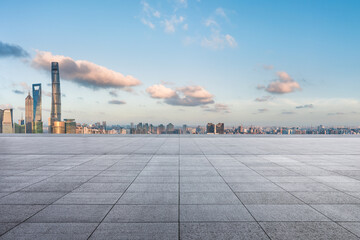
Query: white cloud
point(171, 23)
point(184, 96)
point(230, 40)
point(83, 72)
point(148, 23)
point(219, 11)
point(218, 41)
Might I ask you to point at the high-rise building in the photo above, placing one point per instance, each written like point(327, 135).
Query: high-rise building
point(8, 122)
point(184, 129)
point(29, 113)
point(170, 128)
point(219, 128)
point(56, 94)
point(58, 127)
point(36, 89)
point(70, 126)
point(210, 128)
point(161, 129)
point(1, 119)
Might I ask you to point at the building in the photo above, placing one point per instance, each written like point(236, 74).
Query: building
point(58, 127)
point(29, 113)
point(70, 126)
point(170, 128)
point(160, 129)
point(18, 128)
point(8, 121)
point(1, 119)
point(219, 129)
point(37, 127)
point(210, 128)
point(184, 129)
point(36, 90)
point(56, 96)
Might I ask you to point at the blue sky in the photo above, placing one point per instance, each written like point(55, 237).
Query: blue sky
point(239, 62)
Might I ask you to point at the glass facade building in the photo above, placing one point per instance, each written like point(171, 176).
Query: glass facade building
point(56, 94)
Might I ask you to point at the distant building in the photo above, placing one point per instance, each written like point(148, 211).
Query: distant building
point(219, 129)
point(1, 119)
point(56, 95)
point(58, 127)
point(184, 129)
point(70, 126)
point(37, 119)
point(170, 128)
point(160, 129)
point(210, 128)
point(8, 121)
point(29, 113)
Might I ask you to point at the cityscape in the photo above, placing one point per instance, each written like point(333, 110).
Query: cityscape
point(33, 121)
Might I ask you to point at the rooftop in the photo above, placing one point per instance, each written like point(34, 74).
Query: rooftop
point(179, 187)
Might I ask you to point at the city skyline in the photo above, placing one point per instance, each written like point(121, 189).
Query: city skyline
point(187, 62)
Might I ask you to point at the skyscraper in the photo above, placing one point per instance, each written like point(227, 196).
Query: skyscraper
point(8, 122)
point(36, 89)
point(29, 114)
point(219, 128)
point(210, 128)
point(56, 94)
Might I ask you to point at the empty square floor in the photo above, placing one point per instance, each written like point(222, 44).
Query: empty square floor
point(179, 187)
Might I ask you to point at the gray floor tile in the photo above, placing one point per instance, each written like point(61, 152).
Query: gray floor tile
point(18, 213)
point(146, 231)
point(326, 198)
point(255, 187)
point(267, 198)
point(340, 212)
point(153, 187)
point(204, 187)
point(146, 198)
point(51, 231)
point(89, 198)
point(306, 231)
point(71, 213)
point(102, 187)
point(285, 213)
point(143, 213)
point(31, 198)
point(214, 213)
point(209, 198)
point(229, 230)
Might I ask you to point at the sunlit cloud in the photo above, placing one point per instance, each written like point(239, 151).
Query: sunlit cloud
point(83, 72)
point(284, 84)
point(184, 96)
point(217, 108)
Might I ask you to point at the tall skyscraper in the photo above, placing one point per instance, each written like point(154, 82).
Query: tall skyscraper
point(210, 128)
point(56, 94)
point(29, 114)
point(219, 129)
point(8, 121)
point(36, 89)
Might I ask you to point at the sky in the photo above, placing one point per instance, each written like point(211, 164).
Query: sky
point(241, 62)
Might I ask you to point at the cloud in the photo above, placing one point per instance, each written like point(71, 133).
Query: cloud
point(305, 106)
point(12, 50)
point(83, 72)
point(25, 86)
point(113, 93)
point(18, 92)
point(264, 99)
point(160, 91)
point(117, 102)
point(284, 84)
point(336, 114)
point(268, 67)
point(262, 110)
point(218, 41)
point(219, 11)
point(21, 108)
point(5, 106)
point(171, 23)
point(148, 23)
point(46, 93)
point(211, 22)
point(218, 107)
point(185, 96)
point(260, 87)
point(287, 113)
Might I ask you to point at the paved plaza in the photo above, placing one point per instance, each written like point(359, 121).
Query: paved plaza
point(179, 187)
